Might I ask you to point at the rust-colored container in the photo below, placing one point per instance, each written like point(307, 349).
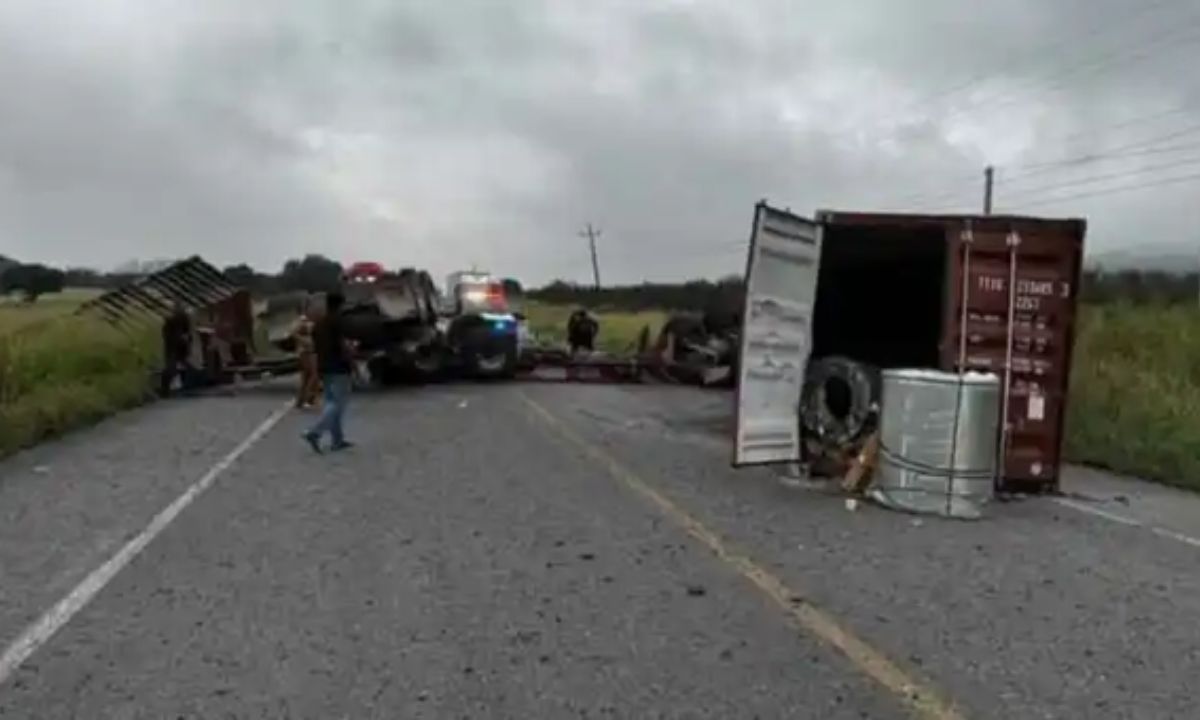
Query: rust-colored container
point(891, 292)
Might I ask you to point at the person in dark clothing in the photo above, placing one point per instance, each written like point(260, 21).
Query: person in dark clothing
point(177, 347)
point(335, 363)
point(581, 331)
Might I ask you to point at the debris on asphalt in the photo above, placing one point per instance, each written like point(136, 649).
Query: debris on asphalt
point(858, 477)
point(696, 591)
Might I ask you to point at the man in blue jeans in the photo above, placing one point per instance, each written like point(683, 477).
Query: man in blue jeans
point(335, 363)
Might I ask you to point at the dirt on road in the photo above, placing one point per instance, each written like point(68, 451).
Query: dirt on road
point(547, 551)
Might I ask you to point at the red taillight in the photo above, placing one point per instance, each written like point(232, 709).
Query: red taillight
point(363, 272)
point(495, 295)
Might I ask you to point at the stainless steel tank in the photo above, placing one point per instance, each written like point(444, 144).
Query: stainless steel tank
point(939, 435)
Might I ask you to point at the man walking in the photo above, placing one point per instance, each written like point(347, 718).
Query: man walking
point(335, 363)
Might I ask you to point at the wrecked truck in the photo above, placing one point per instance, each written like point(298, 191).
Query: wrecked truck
point(403, 327)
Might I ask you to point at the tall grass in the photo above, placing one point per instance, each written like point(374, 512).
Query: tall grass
point(66, 372)
point(1135, 392)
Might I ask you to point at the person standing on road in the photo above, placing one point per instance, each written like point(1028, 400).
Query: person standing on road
point(310, 380)
point(335, 363)
point(177, 347)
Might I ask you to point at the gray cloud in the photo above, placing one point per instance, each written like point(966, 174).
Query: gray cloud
point(439, 134)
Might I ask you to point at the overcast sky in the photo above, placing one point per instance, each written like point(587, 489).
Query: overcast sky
point(442, 134)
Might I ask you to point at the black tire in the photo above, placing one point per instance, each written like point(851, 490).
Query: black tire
point(486, 356)
point(427, 365)
point(839, 401)
point(381, 371)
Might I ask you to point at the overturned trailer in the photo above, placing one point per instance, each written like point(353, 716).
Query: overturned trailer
point(222, 315)
point(957, 293)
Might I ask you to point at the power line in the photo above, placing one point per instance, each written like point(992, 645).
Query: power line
point(1187, 106)
point(1112, 176)
point(1101, 63)
point(1136, 145)
point(1143, 147)
point(1091, 158)
point(1011, 59)
point(1115, 190)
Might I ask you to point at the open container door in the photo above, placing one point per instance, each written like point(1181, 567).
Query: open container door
point(781, 286)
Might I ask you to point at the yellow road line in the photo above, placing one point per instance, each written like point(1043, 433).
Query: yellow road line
point(925, 702)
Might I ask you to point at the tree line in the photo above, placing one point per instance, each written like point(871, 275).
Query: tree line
point(317, 273)
point(1141, 287)
point(31, 281)
point(314, 273)
point(690, 295)
point(1097, 286)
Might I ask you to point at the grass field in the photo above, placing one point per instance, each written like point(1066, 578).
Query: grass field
point(618, 330)
point(1135, 392)
point(15, 313)
point(58, 372)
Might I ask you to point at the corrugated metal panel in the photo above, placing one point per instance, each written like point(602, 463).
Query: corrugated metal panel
point(781, 280)
point(193, 283)
point(213, 301)
point(1026, 336)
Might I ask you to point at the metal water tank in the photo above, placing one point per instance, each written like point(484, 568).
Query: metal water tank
point(939, 435)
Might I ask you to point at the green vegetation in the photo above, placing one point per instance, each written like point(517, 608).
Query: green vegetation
point(618, 329)
point(1135, 392)
point(15, 313)
point(58, 372)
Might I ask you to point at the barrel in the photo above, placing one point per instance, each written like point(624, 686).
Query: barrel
point(939, 435)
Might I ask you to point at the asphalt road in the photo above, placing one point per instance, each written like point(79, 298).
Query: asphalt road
point(545, 551)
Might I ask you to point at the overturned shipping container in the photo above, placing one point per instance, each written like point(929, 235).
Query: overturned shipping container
point(988, 293)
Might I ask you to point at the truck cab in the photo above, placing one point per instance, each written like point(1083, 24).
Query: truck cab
point(480, 325)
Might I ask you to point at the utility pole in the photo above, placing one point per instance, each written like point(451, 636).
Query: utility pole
point(989, 178)
point(591, 234)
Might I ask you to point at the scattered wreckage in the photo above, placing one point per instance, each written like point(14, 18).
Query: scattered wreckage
point(923, 360)
point(406, 331)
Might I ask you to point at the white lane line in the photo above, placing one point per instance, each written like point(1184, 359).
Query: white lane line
point(1113, 517)
point(1091, 510)
point(56, 617)
point(1176, 536)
